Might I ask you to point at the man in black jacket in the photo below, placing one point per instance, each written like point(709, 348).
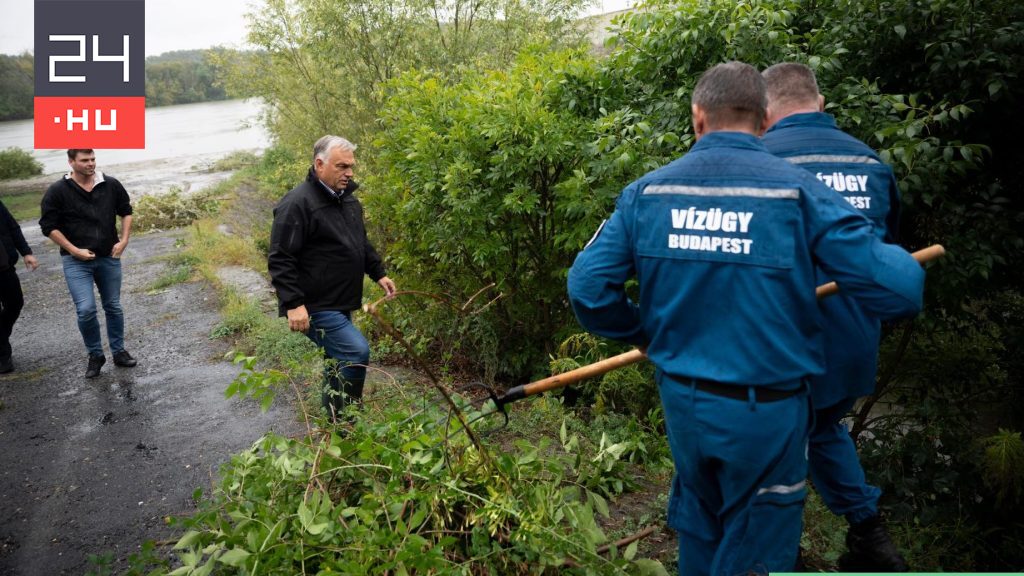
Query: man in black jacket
point(79, 213)
point(319, 253)
point(11, 297)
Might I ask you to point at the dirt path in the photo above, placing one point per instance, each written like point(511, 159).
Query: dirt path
point(93, 466)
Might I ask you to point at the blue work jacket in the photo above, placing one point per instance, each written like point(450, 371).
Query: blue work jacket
point(813, 142)
point(723, 242)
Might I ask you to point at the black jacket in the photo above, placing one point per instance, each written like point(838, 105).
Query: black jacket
point(12, 241)
point(319, 250)
point(87, 219)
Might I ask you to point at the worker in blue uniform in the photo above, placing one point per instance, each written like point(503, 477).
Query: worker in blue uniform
point(723, 243)
point(801, 132)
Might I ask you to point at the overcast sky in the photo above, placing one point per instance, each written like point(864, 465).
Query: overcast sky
point(170, 24)
point(176, 24)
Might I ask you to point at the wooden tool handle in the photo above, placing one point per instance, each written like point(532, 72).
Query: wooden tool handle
point(633, 356)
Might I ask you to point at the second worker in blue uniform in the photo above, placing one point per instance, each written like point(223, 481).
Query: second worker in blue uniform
point(802, 133)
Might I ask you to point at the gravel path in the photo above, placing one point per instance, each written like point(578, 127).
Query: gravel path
point(93, 466)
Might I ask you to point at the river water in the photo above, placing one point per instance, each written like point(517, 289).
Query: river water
point(181, 142)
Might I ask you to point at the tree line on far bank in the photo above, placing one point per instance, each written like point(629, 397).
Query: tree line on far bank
point(179, 77)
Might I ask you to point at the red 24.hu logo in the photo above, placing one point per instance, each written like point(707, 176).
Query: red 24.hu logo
point(90, 86)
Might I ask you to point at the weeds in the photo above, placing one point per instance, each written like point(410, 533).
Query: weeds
point(401, 492)
point(173, 209)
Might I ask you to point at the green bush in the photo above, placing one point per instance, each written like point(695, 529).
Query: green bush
point(481, 187)
point(17, 163)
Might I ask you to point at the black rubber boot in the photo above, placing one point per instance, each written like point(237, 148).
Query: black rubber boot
point(870, 549)
point(351, 393)
point(338, 393)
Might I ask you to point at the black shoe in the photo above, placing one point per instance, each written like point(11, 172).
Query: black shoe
point(871, 549)
point(6, 365)
point(95, 363)
point(124, 359)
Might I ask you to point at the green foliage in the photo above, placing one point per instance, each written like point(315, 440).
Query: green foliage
point(17, 163)
point(17, 86)
point(402, 492)
point(173, 209)
point(480, 189)
point(1004, 466)
point(324, 63)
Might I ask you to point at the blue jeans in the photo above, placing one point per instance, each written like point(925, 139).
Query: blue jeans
point(342, 342)
point(835, 466)
point(105, 273)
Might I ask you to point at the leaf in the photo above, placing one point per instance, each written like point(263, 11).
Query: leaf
point(191, 537)
point(630, 552)
point(234, 557)
point(901, 30)
point(650, 567)
point(599, 503)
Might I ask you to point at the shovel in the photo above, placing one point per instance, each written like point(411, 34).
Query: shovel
point(633, 356)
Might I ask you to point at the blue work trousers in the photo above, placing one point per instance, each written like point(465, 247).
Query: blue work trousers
point(835, 466)
point(342, 342)
point(105, 273)
point(738, 493)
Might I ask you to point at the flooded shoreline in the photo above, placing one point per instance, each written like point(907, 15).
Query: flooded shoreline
point(182, 143)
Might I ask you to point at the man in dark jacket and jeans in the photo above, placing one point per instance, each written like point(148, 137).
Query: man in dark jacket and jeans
point(79, 213)
point(319, 253)
point(12, 242)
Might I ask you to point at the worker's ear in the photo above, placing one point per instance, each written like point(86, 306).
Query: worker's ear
point(762, 126)
point(769, 119)
point(700, 123)
point(821, 103)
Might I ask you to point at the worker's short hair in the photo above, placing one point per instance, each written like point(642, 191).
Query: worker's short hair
point(731, 93)
point(790, 84)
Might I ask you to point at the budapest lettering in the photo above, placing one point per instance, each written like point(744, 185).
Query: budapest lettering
point(711, 220)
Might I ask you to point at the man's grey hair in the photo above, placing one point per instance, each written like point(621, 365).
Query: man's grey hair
point(731, 92)
point(789, 84)
point(329, 142)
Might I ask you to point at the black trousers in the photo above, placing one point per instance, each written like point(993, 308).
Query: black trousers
point(11, 302)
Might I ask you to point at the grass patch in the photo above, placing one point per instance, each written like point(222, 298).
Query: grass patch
point(24, 377)
point(237, 160)
point(23, 204)
point(177, 274)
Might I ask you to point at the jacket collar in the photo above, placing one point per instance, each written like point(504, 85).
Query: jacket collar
point(98, 178)
point(725, 139)
point(818, 119)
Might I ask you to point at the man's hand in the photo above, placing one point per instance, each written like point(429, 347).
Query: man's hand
point(298, 319)
point(83, 254)
point(118, 248)
point(388, 285)
point(31, 262)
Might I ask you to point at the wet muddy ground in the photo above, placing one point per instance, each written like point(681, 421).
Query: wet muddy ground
point(93, 466)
